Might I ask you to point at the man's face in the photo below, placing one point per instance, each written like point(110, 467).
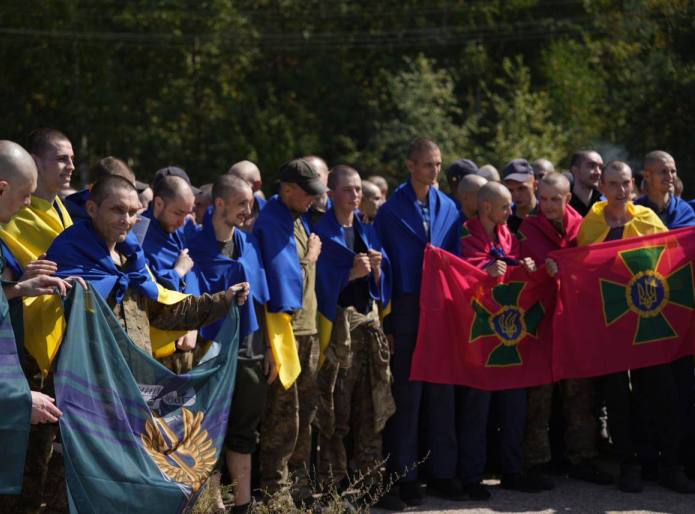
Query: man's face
point(236, 208)
point(425, 167)
point(200, 207)
point(347, 195)
point(661, 176)
point(589, 170)
point(469, 202)
point(171, 214)
point(298, 200)
point(14, 196)
point(370, 205)
point(499, 209)
point(55, 166)
point(616, 186)
point(522, 193)
point(116, 215)
point(553, 201)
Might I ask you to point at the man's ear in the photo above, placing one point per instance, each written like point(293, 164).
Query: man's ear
point(4, 186)
point(91, 207)
point(410, 165)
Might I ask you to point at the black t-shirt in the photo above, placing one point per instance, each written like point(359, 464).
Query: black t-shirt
point(579, 206)
point(356, 293)
point(514, 221)
point(615, 233)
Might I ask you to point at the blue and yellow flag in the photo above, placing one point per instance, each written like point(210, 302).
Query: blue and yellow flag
point(137, 437)
point(15, 406)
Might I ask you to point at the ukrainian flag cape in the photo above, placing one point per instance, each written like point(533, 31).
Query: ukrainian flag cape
point(334, 265)
point(217, 272)
point(15, 405)
point(81, 251)
point(162, 249)
point(679, 213)
point(75, 205)
point(274, 230)
point(26, 238)
point(594, 228)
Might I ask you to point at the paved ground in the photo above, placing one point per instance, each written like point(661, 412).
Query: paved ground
point(569, 496)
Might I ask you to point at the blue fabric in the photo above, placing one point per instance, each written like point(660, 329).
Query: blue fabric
point(399, 224)
point(74, 203)
point(679, 213)
point(10, 261)
point(137, 438)
point(260, 201)
point(217, 272)
point(79, 250)
point(15, 406)
point(335, 262)
point(161, 251)
point(274, 230)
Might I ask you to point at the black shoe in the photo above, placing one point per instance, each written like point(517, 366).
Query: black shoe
point(518, 482)
point(477, 492)
point(448, 488)
point(391, 501)
point(674, 478)
point(411, 493)
point(630, 480)
point(536, 478)
point(588, 471)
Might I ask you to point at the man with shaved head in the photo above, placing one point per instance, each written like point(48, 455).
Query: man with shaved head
point(586, 167)
point(249, 172)
point(372, 199)
point(415, 215)
point(467, 193)
point(203, 200)
point(489, 173)
point(660, 173)
point(541, 167)
point(487, 243)
point(224, 255)
point(20, 405)
point(381, 183)
point(555, 227)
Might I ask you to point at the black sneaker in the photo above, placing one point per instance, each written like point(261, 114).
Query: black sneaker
point(536, 478)
point(630, 480)
point(588, 471)
point(391, 501)
point(674, 478)
point(448, 488)
point(519, 482)
point(477, 492)
point(411, 493)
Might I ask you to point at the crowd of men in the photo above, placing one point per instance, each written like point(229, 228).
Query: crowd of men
point(334, 261)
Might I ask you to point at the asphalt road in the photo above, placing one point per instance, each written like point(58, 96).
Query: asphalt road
point(569, 496)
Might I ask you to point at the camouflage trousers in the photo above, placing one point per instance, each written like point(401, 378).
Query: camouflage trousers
point(580, 420)
point(356, 398)
point(286, 429)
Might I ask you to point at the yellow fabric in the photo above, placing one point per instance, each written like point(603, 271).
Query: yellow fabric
point(383, 312)
point(164, 341)
point(325, 330)
point(594, 228)
point(284, 346)
point(28, 236)
point(34, 228)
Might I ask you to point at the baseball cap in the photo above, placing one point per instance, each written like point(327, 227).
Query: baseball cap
point(459, 169)
point(518, 170)
point(300, 172)
point(173, 171)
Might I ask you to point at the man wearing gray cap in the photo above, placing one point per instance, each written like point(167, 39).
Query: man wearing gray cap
point(289, 251)
point(455, 172)
point(518, 176)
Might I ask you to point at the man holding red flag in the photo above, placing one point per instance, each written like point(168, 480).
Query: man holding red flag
point(653, 391)
point(555, 227)
point(488, 244)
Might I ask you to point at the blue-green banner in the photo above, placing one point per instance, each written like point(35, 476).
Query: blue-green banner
point(136, 436)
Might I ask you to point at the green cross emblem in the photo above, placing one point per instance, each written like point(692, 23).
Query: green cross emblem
point(508, 323)
point(647, 294)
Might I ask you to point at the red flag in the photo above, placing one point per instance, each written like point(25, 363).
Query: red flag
point(478, 331)
point(624, 304)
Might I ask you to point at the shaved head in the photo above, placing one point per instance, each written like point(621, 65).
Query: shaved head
point(227, 185)
point(319, 165)
point(489, 172)
point(16, 165)
point(172, 187)
point(248, 171)
point(493, 191)
point(657, 157)
point(370, 189)
point(471, 183)
point(556, 180)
